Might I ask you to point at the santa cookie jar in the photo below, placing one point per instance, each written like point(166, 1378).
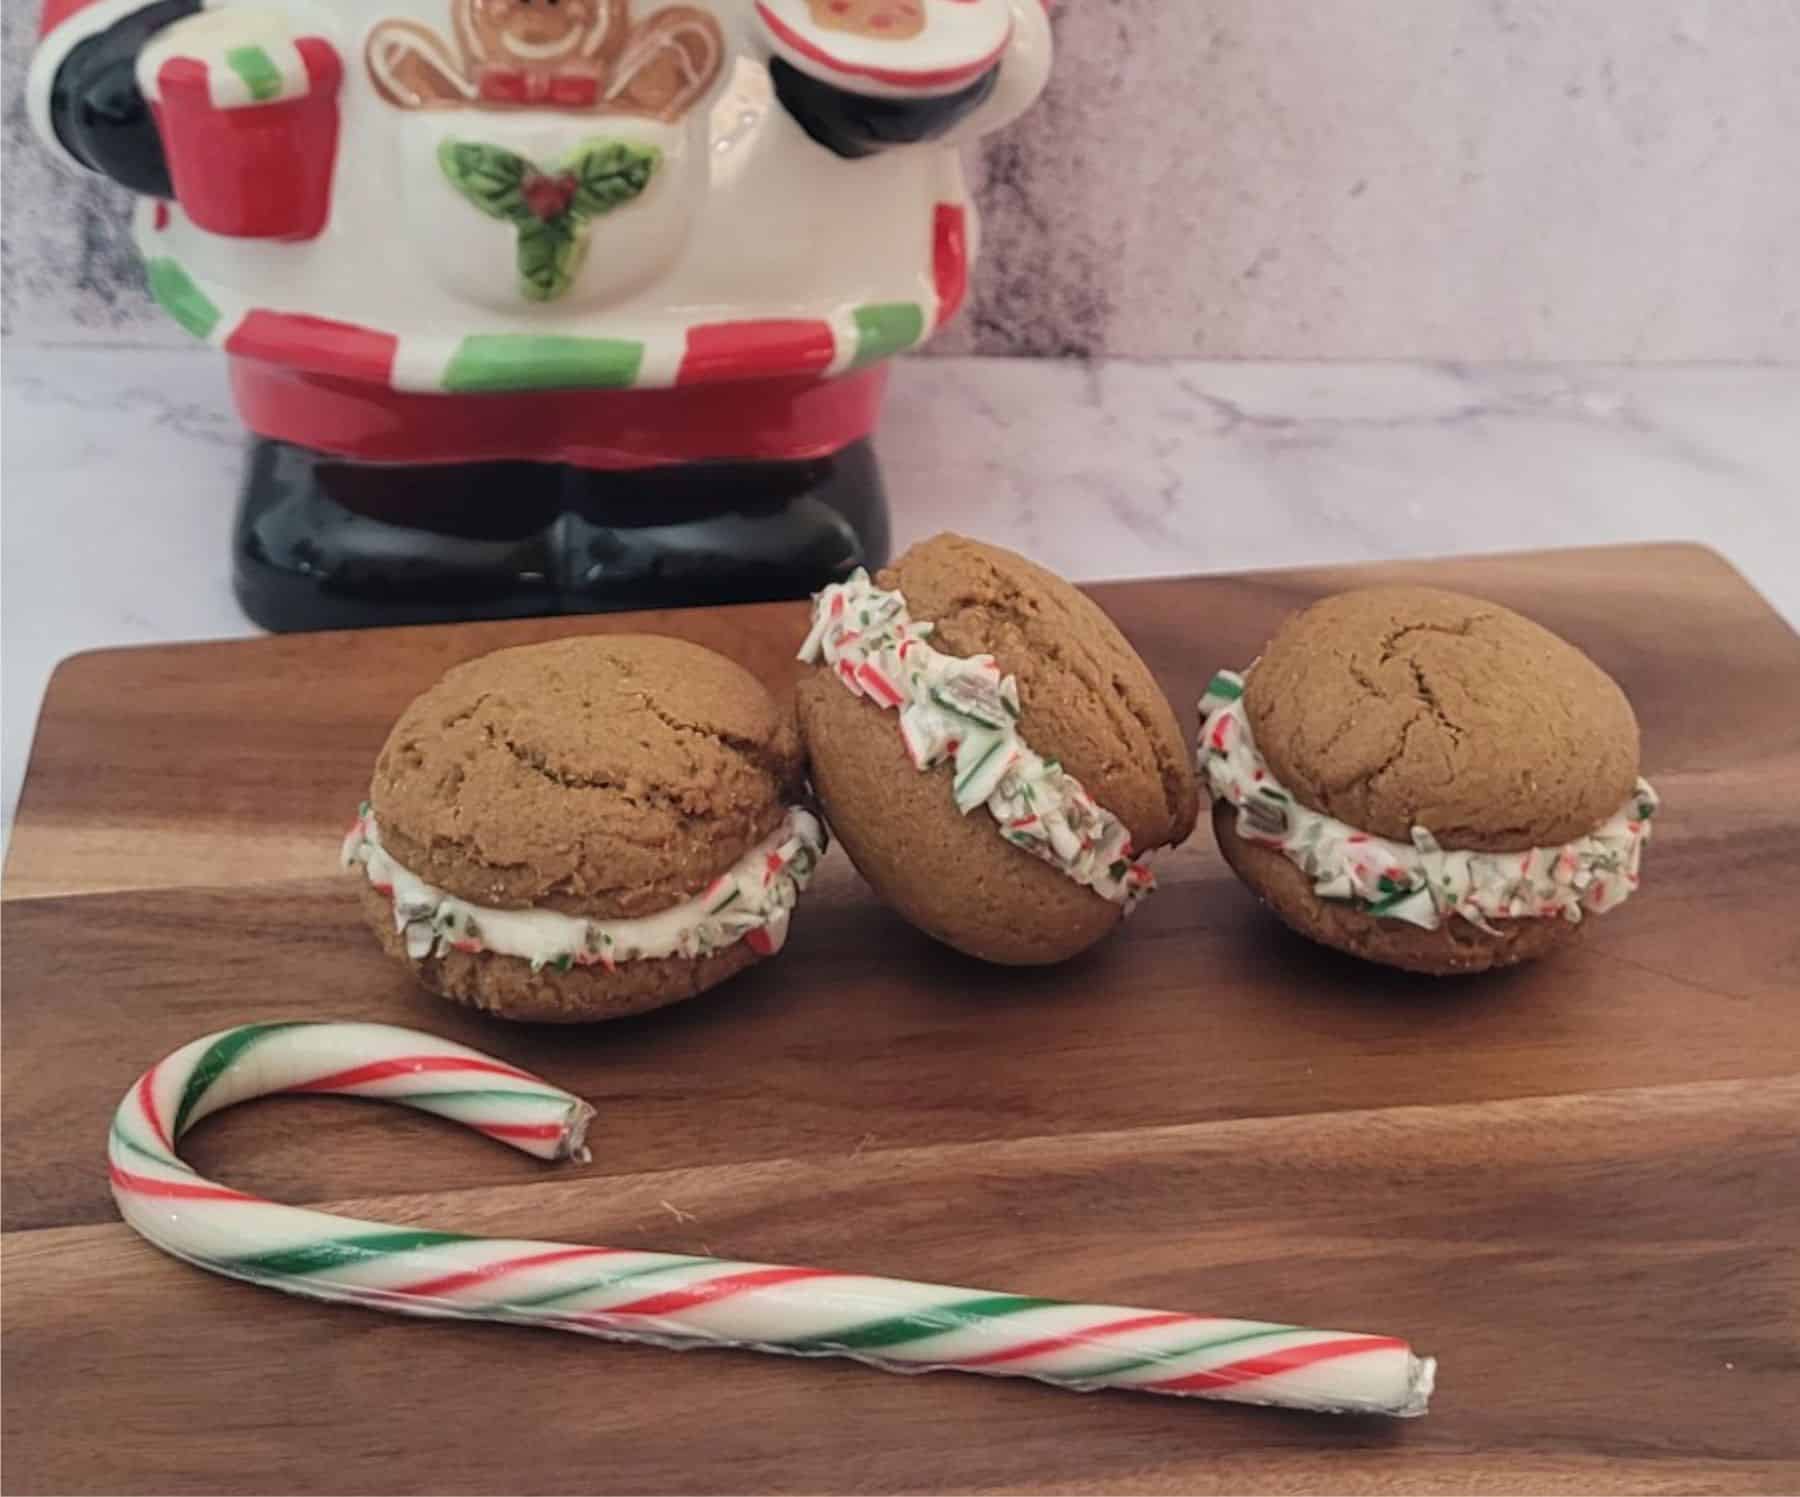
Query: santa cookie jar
point(539, 305)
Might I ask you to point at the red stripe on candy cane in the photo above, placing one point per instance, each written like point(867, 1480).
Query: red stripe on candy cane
point(146, 1089)
point(713, 1290)
point(406, 1065)
point(1271, 1363)
point(519, 1130)
point(451, 1282)
point(1075, 1338)
point(174, 1190)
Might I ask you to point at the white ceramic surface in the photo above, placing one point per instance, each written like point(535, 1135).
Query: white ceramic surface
point(119, 473)
point(737, 217)
point(1364, 179)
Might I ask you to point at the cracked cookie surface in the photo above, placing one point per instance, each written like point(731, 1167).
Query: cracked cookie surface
point(605, 776)
point(1397, 707)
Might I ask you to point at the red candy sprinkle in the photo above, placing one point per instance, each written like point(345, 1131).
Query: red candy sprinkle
point(879, 686)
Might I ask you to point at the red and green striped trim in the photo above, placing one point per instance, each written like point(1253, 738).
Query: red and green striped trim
point(542, 361)
point(497, 363)
point(259, 74)
point(176, 293)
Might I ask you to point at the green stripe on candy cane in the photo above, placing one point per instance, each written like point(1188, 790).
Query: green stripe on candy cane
point(155, 1156)
point(918, 1325)
point(337, 1252)
point(1162, 1358)
point(887, 1323)
point(594, 1286)
point(219, 1059)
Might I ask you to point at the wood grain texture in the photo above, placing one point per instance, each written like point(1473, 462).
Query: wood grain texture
point(1577, 1184)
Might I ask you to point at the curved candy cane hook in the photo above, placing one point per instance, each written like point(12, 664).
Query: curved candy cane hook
point(666, 1299)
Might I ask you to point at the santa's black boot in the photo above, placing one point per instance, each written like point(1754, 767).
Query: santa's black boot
point(688, 534)
point(324, 543)
point(327, 543)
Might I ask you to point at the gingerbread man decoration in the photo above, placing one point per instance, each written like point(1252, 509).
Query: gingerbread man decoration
point(583, 55)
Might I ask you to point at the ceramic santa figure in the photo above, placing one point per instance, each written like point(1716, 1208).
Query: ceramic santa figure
point(545, 304)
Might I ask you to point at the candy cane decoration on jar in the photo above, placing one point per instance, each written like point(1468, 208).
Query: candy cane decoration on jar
point(622, 1294)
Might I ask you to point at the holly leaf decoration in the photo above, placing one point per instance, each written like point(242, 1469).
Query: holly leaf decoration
point(610, 173)
point(550, 252)
point(490, 177)
point(551, 209)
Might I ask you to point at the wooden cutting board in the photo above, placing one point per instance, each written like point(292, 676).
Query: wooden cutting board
point(1578, 1185)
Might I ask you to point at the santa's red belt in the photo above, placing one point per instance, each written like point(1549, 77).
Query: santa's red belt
point(776, 419)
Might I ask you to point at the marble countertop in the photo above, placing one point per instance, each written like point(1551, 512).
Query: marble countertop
point(120, 470)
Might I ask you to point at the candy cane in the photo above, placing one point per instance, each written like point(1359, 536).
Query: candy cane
point(626, 1295)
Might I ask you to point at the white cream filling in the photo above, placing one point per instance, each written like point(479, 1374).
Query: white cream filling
point(1422, 884)
point(963, 711)
point(750, 902)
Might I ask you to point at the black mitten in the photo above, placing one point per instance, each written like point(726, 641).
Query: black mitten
point(854, 125)
point(99, 114)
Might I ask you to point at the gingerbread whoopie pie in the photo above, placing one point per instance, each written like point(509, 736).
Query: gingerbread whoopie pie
point(586, 829)
point(1426, 780)
point(991, 753)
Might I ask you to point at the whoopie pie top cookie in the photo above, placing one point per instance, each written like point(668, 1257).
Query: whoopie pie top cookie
point(1430, 760)
point(991, 752)
point(587, 827)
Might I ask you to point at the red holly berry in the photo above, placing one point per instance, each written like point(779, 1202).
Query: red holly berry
point(549, 197)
